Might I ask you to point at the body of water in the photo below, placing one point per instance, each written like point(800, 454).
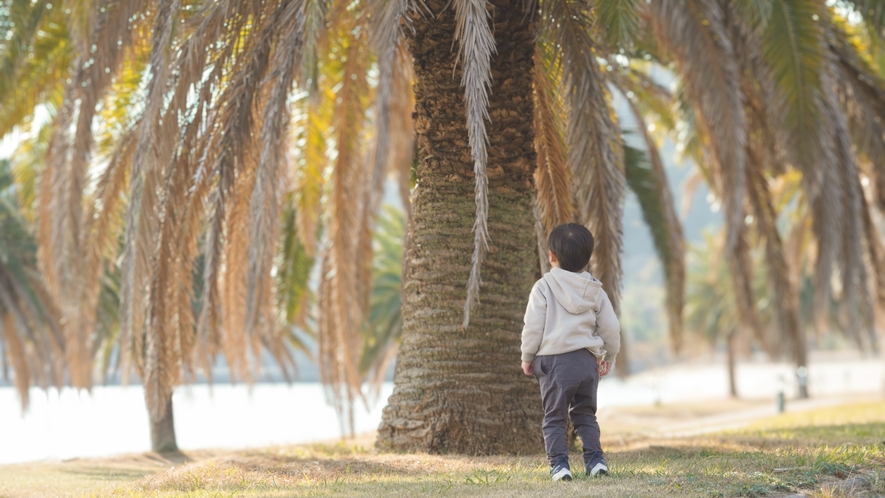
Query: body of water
point(112, 420)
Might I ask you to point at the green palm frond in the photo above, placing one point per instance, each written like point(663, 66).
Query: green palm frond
point(383, 325)
point(618, 21)
point(29, 319)
point(293, 273)
point(794, 50)
point(649, 183)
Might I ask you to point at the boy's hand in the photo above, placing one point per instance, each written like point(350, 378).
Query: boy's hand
point(527, 368)
point(604, 368)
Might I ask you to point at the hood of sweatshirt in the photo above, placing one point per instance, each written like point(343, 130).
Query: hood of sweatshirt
point(576, 292)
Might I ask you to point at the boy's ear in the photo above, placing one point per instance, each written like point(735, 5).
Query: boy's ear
point(552, 256)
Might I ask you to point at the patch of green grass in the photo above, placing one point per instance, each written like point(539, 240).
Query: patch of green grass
point(807, 452)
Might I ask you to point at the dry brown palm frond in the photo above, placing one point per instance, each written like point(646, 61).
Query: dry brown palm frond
point(147, 341)
point(386, 37)
point(786, 302)
point(112, 34)
point(192, 154)
point(341, 313)
point(696, 36)
point(740, 264)
point(170, 313)
point(315, 12)
point(51, 229)
point(313, 123)
point(477, 44)
point(402, 127)
point(218, 33)
point(593, 139)
point(862, 92)
point(762, 155)
point(266, 196)
point(231, 149)
point(553, 174)
point(842, 192)
point(855, 291)
point(674, 266)
point(50, 184)
point(541, 236)
point(876, 254)
point(99, 231)
point(237, 341)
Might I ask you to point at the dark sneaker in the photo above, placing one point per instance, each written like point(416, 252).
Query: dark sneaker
point(598, 469)
point(561, 473)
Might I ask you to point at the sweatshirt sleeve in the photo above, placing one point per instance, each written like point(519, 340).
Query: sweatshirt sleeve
point(535, 317)
point(608, 328)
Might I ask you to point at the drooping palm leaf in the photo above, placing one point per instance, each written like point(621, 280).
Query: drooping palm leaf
point(647, 179)
point(783, 288)
point(618, 20)
point(343, 276)
point(553, 176)
point(266, 195)
point(477, 44)
point(696, 36)
point(593, 139)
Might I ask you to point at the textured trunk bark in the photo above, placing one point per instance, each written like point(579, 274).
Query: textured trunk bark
point(462, 391)
point(163, 432)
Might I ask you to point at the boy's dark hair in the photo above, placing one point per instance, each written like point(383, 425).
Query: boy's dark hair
point(573, 245)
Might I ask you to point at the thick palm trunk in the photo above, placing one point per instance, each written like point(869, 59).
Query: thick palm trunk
point(462, 391)
point(163, 432)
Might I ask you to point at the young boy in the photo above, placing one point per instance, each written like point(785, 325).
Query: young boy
point(570, 340)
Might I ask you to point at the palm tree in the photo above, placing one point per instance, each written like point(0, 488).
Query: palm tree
point(711, 310)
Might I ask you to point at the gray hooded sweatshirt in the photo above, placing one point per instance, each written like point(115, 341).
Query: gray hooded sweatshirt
point(569, 311)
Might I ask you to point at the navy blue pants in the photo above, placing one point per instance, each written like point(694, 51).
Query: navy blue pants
point(568, 389)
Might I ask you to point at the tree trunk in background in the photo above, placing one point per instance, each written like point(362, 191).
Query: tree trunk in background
point(622, 362)
point(729, 348)
point(462, 391)
point(163, 432)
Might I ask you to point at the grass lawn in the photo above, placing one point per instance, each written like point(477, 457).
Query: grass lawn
point(836, 451)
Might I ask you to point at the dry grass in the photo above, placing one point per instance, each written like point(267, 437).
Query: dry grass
point(814, 453)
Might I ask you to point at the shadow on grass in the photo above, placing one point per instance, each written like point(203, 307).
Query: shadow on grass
point(750, 463)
